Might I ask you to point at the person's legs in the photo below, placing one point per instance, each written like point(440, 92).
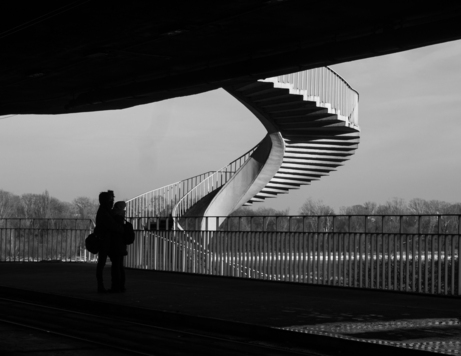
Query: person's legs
point(102, 257)
point(116, 273)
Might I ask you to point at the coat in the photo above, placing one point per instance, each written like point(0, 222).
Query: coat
point(109, 230)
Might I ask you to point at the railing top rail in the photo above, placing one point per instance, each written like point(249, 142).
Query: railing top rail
point(46, 223)
point(326, 216)
point(331, 70)
point(150, 191)
point(21, 218)
point(344, 81)
point(168, 185)
point(197, 187)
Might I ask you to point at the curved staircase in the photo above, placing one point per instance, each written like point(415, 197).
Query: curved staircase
point(312, 122)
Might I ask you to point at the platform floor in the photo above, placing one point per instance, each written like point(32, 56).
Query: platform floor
point(408, 320)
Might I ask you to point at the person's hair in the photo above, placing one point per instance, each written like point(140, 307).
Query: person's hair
point(119, 208)
point(104, 198)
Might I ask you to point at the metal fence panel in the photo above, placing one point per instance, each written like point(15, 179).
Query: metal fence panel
point(35, 240)
point(419, 263)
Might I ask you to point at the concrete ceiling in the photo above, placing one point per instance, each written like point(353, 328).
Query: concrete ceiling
point(92, 55)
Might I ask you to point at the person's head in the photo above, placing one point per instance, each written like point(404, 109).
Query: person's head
point(106, 199)
point(119, 208)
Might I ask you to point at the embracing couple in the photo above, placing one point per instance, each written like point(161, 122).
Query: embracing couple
point(113, 232)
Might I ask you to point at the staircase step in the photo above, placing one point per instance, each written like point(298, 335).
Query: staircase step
point(290, 181)
point(266, 195)
point(282, 185)
point(265, 95)
point(307, 167)
point(274, 190)
point(302, 116)
point(254, 87)
point(276, 101)
point(297, 175)
point(324, 145)
point(311, 156)
point(301, 135)
point(311, 125)
point(319, 132)
point(313, 119)
point(299, 178)
point(255, 200)
point(292, 108)
point(312, 162)
point(307, 172)
point(319, 152)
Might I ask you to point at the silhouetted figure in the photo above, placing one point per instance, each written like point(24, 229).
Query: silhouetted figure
point(107, 228)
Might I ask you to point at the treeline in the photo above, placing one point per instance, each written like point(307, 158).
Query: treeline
point(395, 206)
point(315, 216)
point(44, 206)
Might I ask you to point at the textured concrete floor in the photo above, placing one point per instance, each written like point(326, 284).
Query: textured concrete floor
point(427, 322)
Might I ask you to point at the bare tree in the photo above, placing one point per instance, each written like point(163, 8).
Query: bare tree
point(395, 206)
point(311, 207)
point(85, 208)
point(8, 204)
point(35, 205)
point(368, 208)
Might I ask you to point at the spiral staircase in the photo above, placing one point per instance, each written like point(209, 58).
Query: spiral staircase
point(311, 119)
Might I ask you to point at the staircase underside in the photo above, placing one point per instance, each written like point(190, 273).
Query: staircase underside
point(316, 141)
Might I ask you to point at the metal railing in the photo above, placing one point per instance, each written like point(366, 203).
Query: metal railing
point(423, 223)
point(326, 87)
point(419, 263)
point(161, 201)
point(172, 199)
point(35, 240)
point(426, 261)
point(208, 185)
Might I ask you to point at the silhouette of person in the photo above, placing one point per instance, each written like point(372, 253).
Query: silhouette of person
point(106, 229)
point(118, 249)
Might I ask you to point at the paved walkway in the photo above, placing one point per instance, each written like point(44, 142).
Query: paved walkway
point(406, 320)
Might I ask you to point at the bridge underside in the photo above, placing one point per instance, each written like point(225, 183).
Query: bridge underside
point(89, 56)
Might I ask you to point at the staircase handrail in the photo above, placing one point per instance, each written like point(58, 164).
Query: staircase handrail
point(325, 86)
point(209, 184)
point(137, 205)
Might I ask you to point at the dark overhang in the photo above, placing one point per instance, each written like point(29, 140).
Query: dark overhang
point(91, 55)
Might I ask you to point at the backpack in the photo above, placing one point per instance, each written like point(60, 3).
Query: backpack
point(128, 235)
point(93, 243)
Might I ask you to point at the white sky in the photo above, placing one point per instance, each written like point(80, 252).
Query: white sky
point(409, 116)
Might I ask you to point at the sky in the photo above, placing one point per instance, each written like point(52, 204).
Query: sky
point(409, 116)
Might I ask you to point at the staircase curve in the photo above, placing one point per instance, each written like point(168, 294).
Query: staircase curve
point(311, 118)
